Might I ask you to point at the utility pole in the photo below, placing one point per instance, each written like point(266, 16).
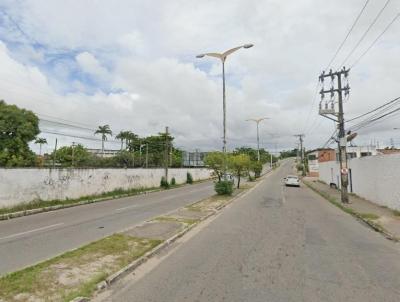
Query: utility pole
point(300, 136)
point(72, 157)
point(54, 155)
point(147, 155)
point(338, 117)
point(166, 153)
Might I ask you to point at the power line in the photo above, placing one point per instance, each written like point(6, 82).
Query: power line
point(366, 32)
point(376, 40)
point(347, 35)
point(373, 110)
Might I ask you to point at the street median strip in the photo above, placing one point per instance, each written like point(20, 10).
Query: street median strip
point(367, 218)
point(77, 274)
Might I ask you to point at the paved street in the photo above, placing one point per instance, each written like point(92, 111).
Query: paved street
point(27, 240)
point(274, 244)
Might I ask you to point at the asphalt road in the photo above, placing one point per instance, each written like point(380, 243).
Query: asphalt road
point(30, 239)
point(274, 244)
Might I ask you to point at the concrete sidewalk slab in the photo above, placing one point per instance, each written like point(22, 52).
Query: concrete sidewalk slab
point(385, 217)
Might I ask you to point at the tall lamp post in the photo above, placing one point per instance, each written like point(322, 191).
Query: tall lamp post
point(257, 120)
point(222, 57)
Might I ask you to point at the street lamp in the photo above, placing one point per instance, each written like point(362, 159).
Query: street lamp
point(222, 57)
point(258, 120)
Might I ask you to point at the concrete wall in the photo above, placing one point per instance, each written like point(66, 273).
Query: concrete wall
point(24, 185)
point(376, 178)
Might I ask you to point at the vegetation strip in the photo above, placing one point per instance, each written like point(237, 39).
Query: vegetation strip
point(75, 273)
point(367, 218)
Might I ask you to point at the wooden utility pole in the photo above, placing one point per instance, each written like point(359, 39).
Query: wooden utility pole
point(338, 117)
point(72, 157)
point(147, 155)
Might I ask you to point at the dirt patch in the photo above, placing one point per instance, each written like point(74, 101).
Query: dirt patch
point(161, 230)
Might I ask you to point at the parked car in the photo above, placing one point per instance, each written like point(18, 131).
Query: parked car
point(292, 181)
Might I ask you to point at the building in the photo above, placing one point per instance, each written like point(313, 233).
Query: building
point(99, 152)
point(193, 159)
point(317, 156)
point(360, 151)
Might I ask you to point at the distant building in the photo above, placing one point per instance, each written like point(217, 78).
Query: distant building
point(99, 152)
point(317, 156)
point(193, 159)
point(359, 151)
point(388, 151)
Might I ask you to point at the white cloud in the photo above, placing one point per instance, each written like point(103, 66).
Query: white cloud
point(146, 50)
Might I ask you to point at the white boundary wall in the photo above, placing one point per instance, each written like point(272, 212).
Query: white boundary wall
point(24, 185)
point(376, 178)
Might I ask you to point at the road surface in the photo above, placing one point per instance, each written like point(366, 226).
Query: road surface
point(274, 244)
point(27, 240)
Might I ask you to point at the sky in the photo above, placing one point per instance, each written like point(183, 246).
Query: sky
point(132, 65)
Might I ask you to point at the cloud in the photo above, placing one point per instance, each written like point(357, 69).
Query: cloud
point(132, 65)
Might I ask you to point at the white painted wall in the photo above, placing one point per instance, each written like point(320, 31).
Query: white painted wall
point(24, 185)
point(376, 178)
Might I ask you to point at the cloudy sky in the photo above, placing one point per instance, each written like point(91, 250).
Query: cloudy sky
point(131, 64)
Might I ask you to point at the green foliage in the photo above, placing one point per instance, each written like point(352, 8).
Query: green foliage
point(224, 187)
point(124, 159)
point(189, 178)
point(78, 154)
point(256, 167)
point(215, 161)
point(164, 183)
point(289, 153)
point(17, 128)
point(173, 181)
point(239, 165)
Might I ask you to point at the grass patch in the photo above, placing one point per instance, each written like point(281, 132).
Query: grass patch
point(74, 273)
point(396, 212)
point(188, 221)
point(370, 216)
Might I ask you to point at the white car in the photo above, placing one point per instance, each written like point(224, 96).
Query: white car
point(292, 181)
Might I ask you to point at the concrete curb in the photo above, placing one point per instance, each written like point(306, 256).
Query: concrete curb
point(133, 265)
point(369, 223)
point(84, 202)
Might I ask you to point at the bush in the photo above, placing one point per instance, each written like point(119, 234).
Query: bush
point(224, 187)
point(173, 181)
point(251, 178)
point(164, 183)
point(189, 178)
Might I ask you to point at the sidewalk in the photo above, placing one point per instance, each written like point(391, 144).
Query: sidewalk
point(385, 219)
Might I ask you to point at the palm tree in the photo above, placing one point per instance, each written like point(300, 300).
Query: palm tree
point(40, 141)
point(122, 135)
point(130, 139)
point(104, 131)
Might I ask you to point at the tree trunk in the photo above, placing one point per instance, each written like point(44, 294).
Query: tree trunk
point(40, 149)
point(122, 144)
point(102, 147)
point(238, 181)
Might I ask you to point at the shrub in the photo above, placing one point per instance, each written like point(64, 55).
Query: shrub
point(164, 183)
point(251, 178)
point(189, 178)
point(173, 181)
point(224, 187)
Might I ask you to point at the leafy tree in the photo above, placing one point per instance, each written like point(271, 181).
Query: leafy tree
point(256, 167)
point(239, 165)
point(215, 161)
point(17, 128)
point(124, 159)
point(41, 141)
point(104, 131)
point(289, 153)
point(81, 156)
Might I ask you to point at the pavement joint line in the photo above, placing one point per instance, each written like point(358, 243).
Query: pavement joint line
point(133, 265)
point(359, 217)
point(12, 215)
point(32, 231)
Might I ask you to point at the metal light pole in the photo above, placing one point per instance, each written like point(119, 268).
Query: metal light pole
point(222, 57)
point(258, 120)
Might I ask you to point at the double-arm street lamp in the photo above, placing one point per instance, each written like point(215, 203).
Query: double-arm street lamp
point(222, 57)
point(257, 120)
